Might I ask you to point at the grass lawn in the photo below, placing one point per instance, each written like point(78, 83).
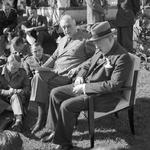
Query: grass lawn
point(109, 130)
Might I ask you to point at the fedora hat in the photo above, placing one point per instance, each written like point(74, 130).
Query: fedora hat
point(101, 30)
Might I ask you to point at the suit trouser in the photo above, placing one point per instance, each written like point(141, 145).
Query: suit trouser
point(64, 108)
point(2, 44)
point(43, 82)
point(16, 103)
point(125, 37)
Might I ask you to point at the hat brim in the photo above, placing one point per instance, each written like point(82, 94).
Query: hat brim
point(102, 37)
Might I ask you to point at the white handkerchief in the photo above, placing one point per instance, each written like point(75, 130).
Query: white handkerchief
point(107, 64)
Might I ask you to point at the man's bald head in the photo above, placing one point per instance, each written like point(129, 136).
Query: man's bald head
point(68, 25)
point(67, 18)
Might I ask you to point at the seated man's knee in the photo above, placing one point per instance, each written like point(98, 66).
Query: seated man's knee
point(65, 106)
point(14, 97)
point(55, 95)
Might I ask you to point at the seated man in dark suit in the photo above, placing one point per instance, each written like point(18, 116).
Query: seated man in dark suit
point(14, 88)
point(103, 75)
point(37, 31)
point(8, 22)
point(72, 51)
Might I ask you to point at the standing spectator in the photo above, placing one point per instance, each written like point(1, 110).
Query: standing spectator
point(15, 4)
point(95, 12)
point(8, 22)
point(14, 88)
point(127, 10)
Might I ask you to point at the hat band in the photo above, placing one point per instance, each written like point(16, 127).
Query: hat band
point(102, 33)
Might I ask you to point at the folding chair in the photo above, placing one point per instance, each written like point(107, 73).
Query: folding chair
point(127, 102)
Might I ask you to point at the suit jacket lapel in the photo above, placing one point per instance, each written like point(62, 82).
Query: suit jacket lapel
point(96, 58)
point(68, 47)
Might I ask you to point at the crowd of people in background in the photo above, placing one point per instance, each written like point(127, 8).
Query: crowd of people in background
point(58, 76)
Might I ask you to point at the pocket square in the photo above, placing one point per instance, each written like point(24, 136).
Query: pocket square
point(107, 63)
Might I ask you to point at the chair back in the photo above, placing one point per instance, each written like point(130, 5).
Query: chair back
point(132, 80)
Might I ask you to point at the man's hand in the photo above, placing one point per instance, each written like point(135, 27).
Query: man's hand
point(11, 91)
point(79, 89)
point(79, 80)
point(72, 72)
point(6, 30)
point(28, 30)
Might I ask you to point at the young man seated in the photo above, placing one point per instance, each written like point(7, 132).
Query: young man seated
point(14, 88)
point(38, 58)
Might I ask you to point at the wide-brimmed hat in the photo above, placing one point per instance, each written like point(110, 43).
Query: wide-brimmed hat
point(101, 30)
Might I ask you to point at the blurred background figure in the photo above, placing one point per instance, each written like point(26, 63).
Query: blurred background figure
point(10, 140)
point(37, 31)
point(125, 19)
point(95, 12)
point(8, 22)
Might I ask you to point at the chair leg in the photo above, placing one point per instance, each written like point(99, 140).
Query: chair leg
point(116, 115)
point(91, 131)
point(131, 119)
point(91, 122)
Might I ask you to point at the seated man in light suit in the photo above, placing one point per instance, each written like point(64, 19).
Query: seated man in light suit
point(104, 74)
point(72, 51)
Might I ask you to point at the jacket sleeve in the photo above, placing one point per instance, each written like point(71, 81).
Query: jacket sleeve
point(14, 20)
point(50, 62)
point(117, 80)
point(27, 68)
point(89, 48)
point(84, 68)
point(26, 86)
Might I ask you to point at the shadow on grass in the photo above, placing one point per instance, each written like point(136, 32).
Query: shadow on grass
point(108, 129)
point(115, 129)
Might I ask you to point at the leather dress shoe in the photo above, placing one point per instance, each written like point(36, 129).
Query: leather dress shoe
point(17, 126)
point(48, 138)
point(36, 128)
point(64, 147)
point(45, 134)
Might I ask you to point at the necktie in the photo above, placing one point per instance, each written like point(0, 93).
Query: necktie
point(67, 42)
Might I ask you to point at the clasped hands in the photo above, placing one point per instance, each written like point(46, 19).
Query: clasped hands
point(79, 86)
point(27, 30)
point(12, 91)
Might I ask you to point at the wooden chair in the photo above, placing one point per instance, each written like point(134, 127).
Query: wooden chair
point(127, 102)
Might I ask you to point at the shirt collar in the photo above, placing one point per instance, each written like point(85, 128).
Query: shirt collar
point(112, 49)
